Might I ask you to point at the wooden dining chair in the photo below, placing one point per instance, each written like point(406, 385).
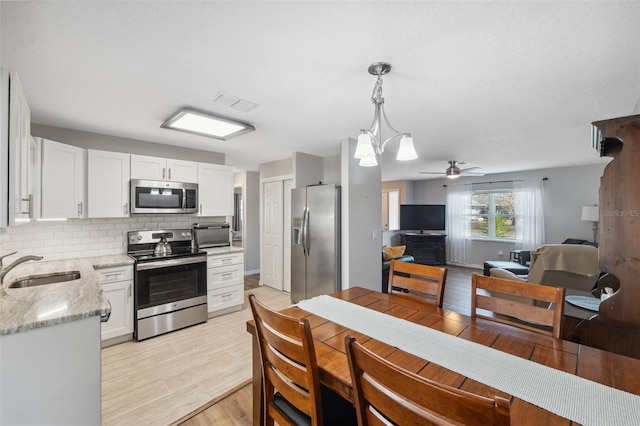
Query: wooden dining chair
point(414, 278)
point(385, 394)
point(534, 307)
point(292, 393)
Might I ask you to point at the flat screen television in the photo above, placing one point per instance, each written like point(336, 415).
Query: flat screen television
point(422, 217)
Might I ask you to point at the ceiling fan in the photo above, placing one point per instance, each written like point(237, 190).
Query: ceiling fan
point(453, 171)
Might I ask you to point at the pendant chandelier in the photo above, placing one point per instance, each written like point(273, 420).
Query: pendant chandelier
point(370, 142)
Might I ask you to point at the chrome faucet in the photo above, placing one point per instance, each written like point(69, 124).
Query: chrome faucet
point(4, 271)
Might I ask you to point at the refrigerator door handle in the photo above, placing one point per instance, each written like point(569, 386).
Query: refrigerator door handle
point(305, 231)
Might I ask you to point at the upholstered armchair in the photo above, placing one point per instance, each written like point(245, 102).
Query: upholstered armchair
point(560, 265)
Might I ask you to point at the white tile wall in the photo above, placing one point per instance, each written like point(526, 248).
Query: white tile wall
point(75, 238)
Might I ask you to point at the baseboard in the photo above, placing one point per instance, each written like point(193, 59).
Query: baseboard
point(253, 272)
point(469, 265)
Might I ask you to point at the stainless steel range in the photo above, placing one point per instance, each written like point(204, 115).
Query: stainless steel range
point(170, 281)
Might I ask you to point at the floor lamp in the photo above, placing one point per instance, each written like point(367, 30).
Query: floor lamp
point(590, 214)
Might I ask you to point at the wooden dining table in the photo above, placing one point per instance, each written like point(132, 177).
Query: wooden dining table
point(607, 368)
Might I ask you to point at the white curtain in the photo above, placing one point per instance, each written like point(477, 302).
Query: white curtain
point(458, 205)
point(530, 233)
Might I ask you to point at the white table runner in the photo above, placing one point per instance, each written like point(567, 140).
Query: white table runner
point(578, 399)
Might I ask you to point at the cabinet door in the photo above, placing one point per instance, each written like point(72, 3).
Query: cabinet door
point(215, 190)
point(182, 171)
point(108, 184)
point(20, 173)
point(120, 296)
point(64, 176)
point(150, 168)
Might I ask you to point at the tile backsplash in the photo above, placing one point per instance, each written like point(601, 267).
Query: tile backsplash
point(75, 238)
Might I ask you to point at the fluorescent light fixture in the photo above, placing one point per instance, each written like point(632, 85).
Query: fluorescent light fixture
point(205, 124)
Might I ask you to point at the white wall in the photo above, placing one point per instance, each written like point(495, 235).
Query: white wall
point(361, 220)
point(565, 192)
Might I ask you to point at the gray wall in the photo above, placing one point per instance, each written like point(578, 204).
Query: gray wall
point(117, 144)
point(566, 191)
point(251, 200)
point(361, 221)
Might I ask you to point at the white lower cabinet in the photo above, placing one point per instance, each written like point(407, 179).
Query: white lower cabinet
point(225, 283)
point(117, 287)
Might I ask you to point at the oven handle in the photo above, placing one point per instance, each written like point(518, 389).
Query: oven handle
point(171, 262)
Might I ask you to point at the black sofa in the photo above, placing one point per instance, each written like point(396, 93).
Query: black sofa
point(386, 264)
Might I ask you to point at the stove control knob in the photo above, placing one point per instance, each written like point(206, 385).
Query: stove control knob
point(138, 237)
point(189, 234)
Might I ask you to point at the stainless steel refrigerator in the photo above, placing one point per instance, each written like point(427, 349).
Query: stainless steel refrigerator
point(315, 245)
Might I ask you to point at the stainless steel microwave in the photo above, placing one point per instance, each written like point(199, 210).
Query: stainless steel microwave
point(153, 196)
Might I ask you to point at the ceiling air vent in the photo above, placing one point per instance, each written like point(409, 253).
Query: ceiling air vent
point(238, 104)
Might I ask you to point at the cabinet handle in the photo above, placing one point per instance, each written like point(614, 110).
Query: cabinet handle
point(80, 209)
point(126, 208)
point(200, 208)
point(169, 177)
point(129, 291)
point(29, 200)
point(163, 172)
point(226, 260)
point(227, 276)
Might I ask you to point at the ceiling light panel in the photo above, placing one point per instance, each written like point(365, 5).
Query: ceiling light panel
point(205, 124)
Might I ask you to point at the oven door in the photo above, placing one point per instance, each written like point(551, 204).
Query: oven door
point(167, 285)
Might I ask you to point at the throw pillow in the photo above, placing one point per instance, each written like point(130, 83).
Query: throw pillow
point(393, 252)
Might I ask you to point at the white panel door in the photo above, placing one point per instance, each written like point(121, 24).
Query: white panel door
point(120, 296)
point(108, 193)
point(273, 235)
point(286, 258)
point(146, 167)
point(182, 171)
point(215, 190)
point(64, 180)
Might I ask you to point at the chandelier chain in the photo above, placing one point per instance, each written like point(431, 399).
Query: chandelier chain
point(377, 91)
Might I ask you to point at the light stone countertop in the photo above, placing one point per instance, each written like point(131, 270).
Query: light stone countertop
point(23, 309)
point(223, 250)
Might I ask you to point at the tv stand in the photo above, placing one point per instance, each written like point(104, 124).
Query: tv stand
point(426, 248)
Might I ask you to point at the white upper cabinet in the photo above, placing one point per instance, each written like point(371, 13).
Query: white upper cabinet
point(215, 190)
point(64, 180)
point(23, 154)
point(157, 168)
point(108, 183)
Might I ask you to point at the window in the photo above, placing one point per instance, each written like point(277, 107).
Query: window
point(493, 215)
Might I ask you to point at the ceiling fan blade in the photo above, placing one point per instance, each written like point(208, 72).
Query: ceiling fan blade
point(431, 173)
point(469, 168)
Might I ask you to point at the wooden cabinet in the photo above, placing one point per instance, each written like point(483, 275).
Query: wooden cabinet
point(64, 180)
point(426, 249)
point(117, 287)
point(215, 190)
point(24, 156)
point(157, 168)
point(225, 283)
point(108, 183)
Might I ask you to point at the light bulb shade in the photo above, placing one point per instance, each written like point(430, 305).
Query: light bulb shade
point(453, 175)
point(406, 150)
point(590, 213)
point(364, 148)
point(369, 161)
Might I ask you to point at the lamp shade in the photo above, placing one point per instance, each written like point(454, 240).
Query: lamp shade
point(364, 147)
point(406, 151)
point(369, 161)
point(590, 213)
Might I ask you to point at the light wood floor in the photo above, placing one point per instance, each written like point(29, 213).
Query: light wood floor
point(236, 409)
point(160, 380)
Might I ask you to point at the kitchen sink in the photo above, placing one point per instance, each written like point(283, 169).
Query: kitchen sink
point(35, 280)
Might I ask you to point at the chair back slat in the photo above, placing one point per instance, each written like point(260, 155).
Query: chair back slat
point(289, 364)
point(419, 279)
point(385, 392)
point(521, 304)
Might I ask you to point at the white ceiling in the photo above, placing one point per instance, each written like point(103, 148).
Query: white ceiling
point(502, 85)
